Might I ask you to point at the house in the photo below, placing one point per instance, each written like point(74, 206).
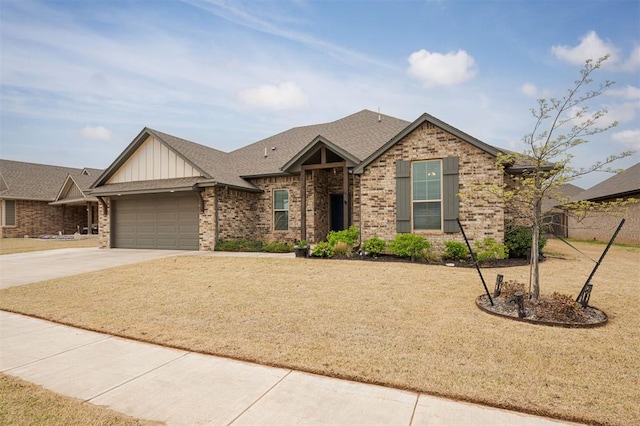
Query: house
point(379, 173)
point(556, 219)
point(601, 226)
point(39, 199)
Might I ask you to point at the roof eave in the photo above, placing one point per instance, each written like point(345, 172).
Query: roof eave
point(130, 149)
point(414, 125)
point(292, 166)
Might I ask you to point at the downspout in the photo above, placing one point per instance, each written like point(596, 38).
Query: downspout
point(215, 213)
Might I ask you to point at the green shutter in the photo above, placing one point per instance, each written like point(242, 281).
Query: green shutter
point(450, 194)
point(403, 196)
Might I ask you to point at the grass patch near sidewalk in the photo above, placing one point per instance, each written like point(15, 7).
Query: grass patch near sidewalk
point(404, 325)
point(23, 245)
point(24, 403)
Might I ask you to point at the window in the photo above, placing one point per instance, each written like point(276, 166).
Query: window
point(280, 209)
point(8, 212)
point(427, 194)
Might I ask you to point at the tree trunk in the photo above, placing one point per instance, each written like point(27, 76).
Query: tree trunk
point(535, 275)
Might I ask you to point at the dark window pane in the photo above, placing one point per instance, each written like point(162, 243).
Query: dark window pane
point(10, 213)
point(426, 215)
point(281, 220)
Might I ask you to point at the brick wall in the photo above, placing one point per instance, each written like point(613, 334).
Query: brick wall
point(104, 225)
point(236, 214)
point(263, 213)
point(33, 219)
point(601, 227)
point(377, 213)
point(75, 218)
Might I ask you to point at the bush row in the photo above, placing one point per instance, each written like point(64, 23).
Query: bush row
point(344, 244)
point(416, 247)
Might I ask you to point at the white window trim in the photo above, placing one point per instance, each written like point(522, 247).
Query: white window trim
point(440, 200)
point(274, 210)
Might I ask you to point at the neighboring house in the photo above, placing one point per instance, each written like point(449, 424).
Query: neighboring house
point(38, 199)
point(557, 220)
point(380, 173)
point(601, 226)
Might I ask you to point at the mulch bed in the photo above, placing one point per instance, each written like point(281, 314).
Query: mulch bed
point(542, 313)
point(495, 263)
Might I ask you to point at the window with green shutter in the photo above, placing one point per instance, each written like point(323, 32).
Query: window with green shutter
point(427, 195)
point(426, 184)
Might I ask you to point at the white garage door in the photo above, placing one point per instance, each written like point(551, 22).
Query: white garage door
point(155, 221)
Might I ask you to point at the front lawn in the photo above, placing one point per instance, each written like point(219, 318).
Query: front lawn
point(23, 245)
point(24, 403)
point(404, 325)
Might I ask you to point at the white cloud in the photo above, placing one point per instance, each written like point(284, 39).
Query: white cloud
point(532, 91)
point(633, 62)
point(630, 138)
point(628, 92)
point(98, 133)
point(281, 97)
point(591, 47)
point(437, 69)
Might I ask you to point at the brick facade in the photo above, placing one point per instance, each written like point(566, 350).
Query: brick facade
point(601, 227)
point(375, 207)
point(37, 218)
point(104, 225)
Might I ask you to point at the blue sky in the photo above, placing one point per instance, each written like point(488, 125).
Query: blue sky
point(80, 79)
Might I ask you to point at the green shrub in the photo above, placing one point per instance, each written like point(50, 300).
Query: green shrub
point(239, 245)
point(518, 240)
point(302, 244)
point(342, 249)
point(490, 249)
point(431, 255)
point(349, 236)
point(455, 250)
point(409, 245)
point(276, 247)
point(322, 249)
point(374, 246)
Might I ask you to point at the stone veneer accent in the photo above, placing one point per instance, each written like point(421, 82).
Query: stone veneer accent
point(376, 215)
point(36, 218)
point(104, 225)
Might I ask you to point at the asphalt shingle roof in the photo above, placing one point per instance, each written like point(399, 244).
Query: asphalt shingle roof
point(360, 134)
point(617, 186)
point(31, 181)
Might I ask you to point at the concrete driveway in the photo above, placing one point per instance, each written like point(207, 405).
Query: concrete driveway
point(25, 268)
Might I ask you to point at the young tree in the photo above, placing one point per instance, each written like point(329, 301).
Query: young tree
point(561, 125)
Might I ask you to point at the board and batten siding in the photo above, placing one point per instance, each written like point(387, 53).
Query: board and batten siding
point(151, 161)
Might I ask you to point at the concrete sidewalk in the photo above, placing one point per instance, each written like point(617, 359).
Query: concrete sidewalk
point(184, 388)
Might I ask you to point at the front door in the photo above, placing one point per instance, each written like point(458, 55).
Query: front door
point(336, 209)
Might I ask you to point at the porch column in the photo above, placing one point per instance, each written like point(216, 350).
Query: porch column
point(303, 203)
point(345, 190)
point(89, 208)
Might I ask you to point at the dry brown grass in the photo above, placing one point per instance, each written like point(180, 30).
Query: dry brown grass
point(23, 245)
point(27, 404)
point(404, 325)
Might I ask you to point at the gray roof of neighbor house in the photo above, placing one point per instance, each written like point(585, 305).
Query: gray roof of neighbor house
point(618, 186)
point(560, 195)
point(40, 182)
